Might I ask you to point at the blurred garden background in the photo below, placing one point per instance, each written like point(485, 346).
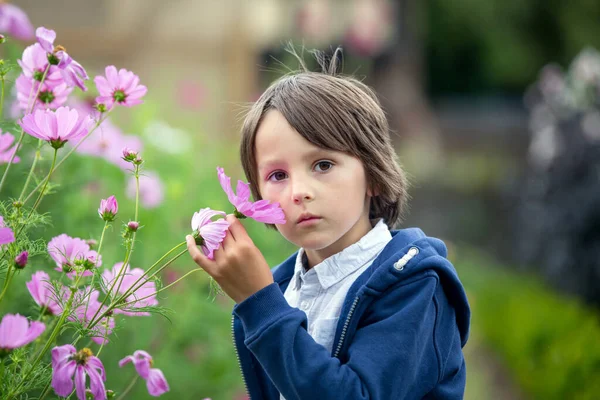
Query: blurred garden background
point(496, 109)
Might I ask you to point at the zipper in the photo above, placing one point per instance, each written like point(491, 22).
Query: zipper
point(237, 355)
point(345, 327)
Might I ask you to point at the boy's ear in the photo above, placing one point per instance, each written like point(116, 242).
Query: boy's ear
point(373, 192)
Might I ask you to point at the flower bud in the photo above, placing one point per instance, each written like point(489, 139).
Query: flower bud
point(2, 38)
point(108, 209)
point(101, 107)
point(66, 267)
point(133, 226)
point(92, 243)
point(21, 260)
point(130, 155)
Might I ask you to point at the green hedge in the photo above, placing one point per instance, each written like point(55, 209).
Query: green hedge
point(550, 342)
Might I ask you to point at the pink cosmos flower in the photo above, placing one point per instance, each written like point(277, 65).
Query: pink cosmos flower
point(68, 252)
point(108, 208)
point(6, 140)
point(122, 87)
point(209, 233)
point(17, 331)
point(15, 22)
point(66, 361)
point(146, 292)
point(6, 234)
point(151, 189)
point(86, 306)
point(107, 142)
point(35, 62)
point(56, 127)
point(72, 72)
point(21, 259)
point(261, 211)
point(49, 96)
point(155, 380)
point(42, 292)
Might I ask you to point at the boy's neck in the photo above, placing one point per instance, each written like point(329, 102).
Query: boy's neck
point(360, 229)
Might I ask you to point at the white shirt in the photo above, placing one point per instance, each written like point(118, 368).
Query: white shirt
point(320, 291)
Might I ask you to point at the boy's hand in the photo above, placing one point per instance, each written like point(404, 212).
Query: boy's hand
point(239, 267)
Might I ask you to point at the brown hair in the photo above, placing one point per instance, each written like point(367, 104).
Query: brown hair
point(338, 113)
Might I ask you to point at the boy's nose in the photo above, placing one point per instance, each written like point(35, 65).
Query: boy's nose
point(301, 193)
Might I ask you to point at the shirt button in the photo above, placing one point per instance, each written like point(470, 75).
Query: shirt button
point(304, 304)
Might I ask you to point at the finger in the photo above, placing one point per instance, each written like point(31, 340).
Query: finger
point(197, 254)
point(236, 228)
point(228, 242)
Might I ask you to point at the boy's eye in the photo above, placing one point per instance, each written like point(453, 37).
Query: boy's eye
point(277, 176)
point(323, 166)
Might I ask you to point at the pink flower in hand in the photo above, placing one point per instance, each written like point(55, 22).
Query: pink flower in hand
point(6, 140)
point(121, 87)
point(16, 331)
point(72, 72)
point(146, 292)
point(108, 209)
point(155, 380)
point(6, 234)
point(15, 22)
point(56, 127)
point(42, 292)
point(261, 211)
point(66, 361)
point(208, 233)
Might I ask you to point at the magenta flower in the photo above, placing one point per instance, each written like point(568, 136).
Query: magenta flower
point(17, 331)
point(49, 96)
point(208, 233)
point(155, 380)
point(261, 211)
point(6, 140)
point(108, 209)
point(122, 87)
point(146, 293)
point(72, 72)
point(35, 62)
point(107, 142)
point(43, 294)
point(66, 361)
point(86, 307)
point(69, 252)
point(21, 259)
point(56, 127)
point(15, 22)
point(6, 234)
point(151, 189)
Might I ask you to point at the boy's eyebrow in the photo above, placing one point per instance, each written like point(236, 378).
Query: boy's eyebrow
point(309, 155)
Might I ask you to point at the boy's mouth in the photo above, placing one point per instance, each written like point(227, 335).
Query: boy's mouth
point(307, 218)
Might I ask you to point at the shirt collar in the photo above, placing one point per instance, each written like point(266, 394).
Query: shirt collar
point(335, 268)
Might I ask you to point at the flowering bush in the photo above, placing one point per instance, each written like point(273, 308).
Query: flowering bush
point(84, 295)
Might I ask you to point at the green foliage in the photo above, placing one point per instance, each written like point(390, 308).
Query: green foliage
point(549, 341)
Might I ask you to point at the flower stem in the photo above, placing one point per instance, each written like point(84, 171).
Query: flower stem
point(12, 157)
point(2, 98)
point(128, 388)
point(7, 281)
point(31, 105)
point(38, 156)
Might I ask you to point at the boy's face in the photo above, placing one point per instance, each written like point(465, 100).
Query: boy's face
point(323, 193)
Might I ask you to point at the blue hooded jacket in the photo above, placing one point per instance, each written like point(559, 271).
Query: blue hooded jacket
point(399, 336)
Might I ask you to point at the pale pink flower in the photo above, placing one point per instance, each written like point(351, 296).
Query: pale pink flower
point(261, 211)
point(107, 142)
point(86, 306)
point(35, 61)
point(146, 292)
point(56, 127)
point(49, 95)
point(121, 87)
point(68, 252)
point(6, 234)
point(108, 209)
point(15, 22)
point(151, 189)
point(72, 72)
point(66, 362)
point(6, 152)
point(17, 331)
point(209, 234)
point(155, 379)
point(42, 292)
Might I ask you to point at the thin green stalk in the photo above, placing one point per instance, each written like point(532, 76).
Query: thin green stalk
point(7, 281)
point(53, 336)
point(2, 98)
point(128, 389)
point(38, 156)
point(11, 159)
